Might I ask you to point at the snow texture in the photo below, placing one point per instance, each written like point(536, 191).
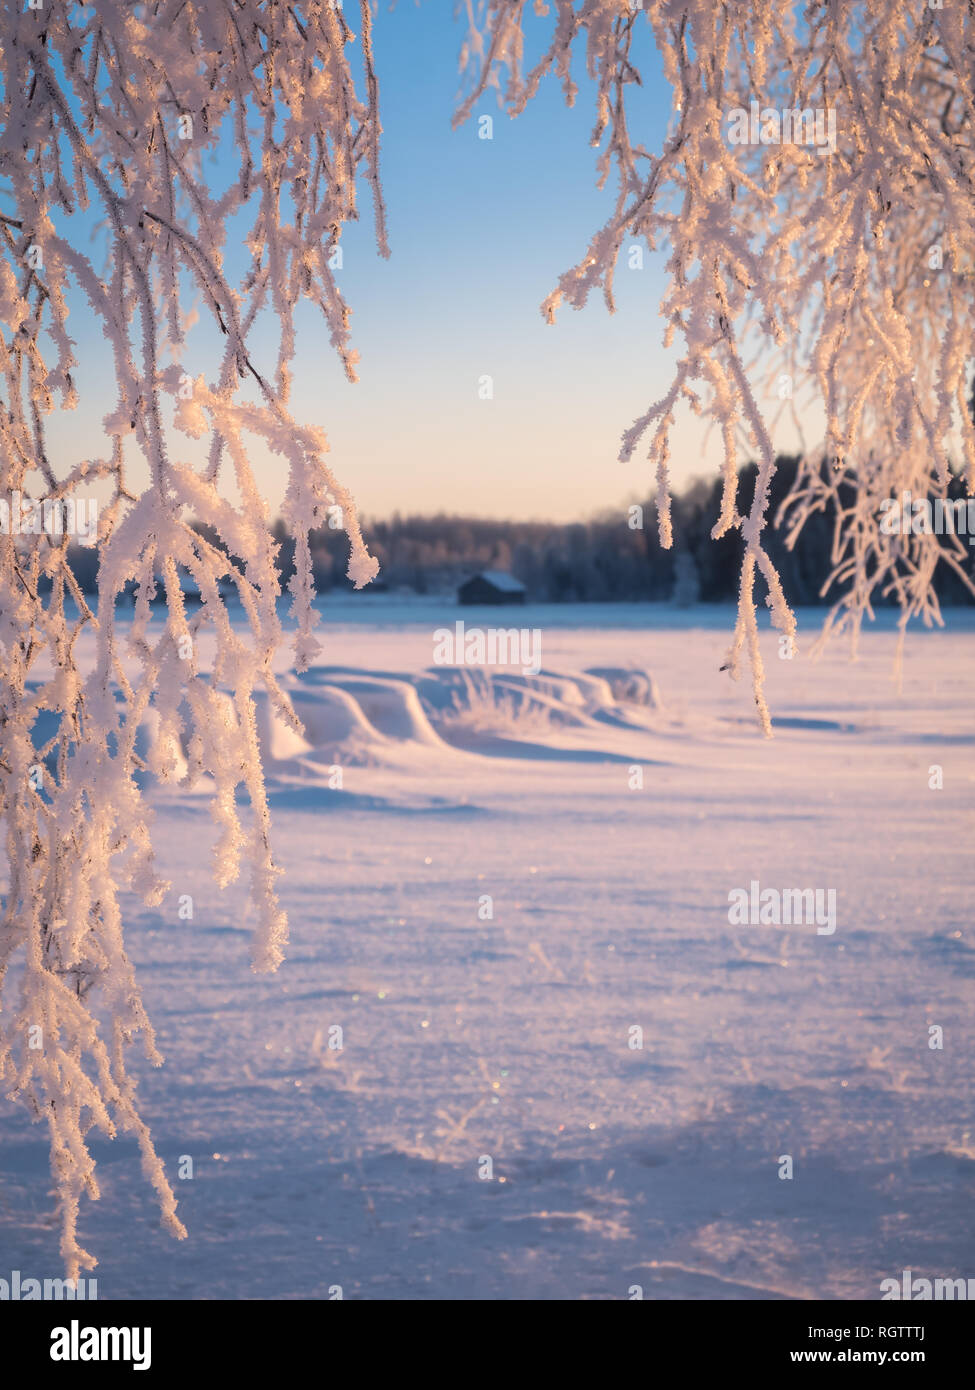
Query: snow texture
point(508, 1037)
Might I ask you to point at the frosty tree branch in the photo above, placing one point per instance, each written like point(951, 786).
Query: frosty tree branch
point(845, 271)
point(109, 113)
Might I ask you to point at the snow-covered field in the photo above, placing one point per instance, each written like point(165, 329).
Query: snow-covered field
point(467, 1037)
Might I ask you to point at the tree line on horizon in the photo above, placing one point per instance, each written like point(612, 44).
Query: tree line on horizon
point(604, 559)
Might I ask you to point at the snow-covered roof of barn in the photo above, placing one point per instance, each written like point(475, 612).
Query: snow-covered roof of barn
point(500, 580)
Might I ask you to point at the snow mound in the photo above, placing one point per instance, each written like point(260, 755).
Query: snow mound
point(332, 717)
point(279, 741)
point(390, 706)
point(434, 719)
point(630, 686)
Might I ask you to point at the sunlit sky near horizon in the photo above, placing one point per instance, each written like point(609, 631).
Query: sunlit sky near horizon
point(480, 231)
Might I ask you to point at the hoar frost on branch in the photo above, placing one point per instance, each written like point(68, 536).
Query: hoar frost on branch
point(97, 104)
point(846, 269)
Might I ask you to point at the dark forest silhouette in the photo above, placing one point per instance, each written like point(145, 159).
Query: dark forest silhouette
point(603, 559)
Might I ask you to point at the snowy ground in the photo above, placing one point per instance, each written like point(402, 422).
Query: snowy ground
point(508, 1038)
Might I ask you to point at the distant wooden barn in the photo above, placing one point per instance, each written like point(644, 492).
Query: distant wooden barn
point(491, 586)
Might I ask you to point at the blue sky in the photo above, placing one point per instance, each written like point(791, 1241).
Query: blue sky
point(480, 230)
